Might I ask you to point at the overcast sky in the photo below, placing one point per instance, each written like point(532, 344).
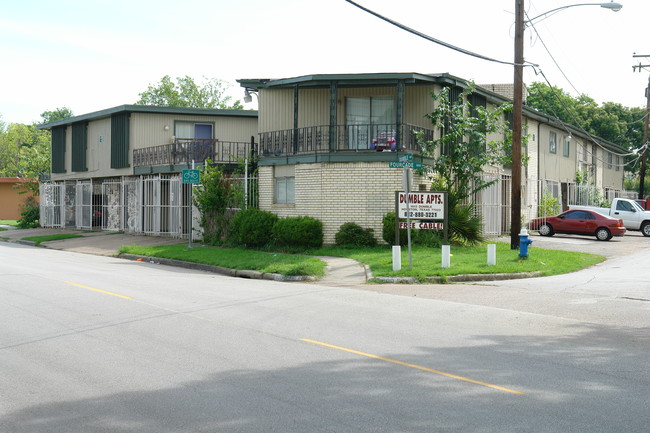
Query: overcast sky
point(91, 55)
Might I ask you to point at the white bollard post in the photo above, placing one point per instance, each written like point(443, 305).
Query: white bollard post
point(397, 257)
point(446, 253)
point(492, 254)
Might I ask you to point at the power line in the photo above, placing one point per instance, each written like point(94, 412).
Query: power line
point(429, 38)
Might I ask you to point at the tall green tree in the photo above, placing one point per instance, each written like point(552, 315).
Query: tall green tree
point(185, 92)
point(56, 114)
point(24, 153)
point(611, 121)
point(461, 153)
point(462, 150)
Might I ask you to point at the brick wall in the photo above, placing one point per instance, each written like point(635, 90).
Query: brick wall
point(336, 193)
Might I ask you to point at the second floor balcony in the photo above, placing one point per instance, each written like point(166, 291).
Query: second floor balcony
point(342, 138)
point(184, 152)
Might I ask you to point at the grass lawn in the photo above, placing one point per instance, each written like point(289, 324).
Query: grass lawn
point(466, 260)
point(39, 239)
point(12, 223)
point(426, 261)
point(235, 258)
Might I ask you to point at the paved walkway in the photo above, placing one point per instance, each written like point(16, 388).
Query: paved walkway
point(339, 271)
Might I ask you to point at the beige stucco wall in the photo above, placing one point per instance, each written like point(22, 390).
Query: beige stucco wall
point(149, 129)
point(336, 193)
point(145, 130)
point(277, 105)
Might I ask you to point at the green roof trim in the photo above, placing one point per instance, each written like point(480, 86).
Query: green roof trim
point(411, 78)
point(150, 109)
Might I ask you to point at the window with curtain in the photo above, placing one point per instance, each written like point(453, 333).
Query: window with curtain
point(284, 184)
point(552, 142)
point(370, 122)
point(566, 149)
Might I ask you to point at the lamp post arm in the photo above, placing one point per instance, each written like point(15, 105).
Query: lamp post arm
point(611, 5)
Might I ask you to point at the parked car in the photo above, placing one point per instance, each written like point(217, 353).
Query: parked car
point(579, 222)
point(644, 203)
point(633, 215)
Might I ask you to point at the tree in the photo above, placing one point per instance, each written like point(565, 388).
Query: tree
point(185, 92)
point(56, 114)
point(611, 121)
point(461, 153)
point(24, 153)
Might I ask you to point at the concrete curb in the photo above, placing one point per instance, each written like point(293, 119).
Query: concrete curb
point(240, 273)
point(455, 278)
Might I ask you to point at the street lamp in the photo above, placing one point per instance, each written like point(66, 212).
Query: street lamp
point(517, 105)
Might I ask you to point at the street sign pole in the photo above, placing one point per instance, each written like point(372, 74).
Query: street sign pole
point(408, 214)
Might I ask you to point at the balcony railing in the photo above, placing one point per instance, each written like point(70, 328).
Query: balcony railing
point(186, 151)
point(340, 138)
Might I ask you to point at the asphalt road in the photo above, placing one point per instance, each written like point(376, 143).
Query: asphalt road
point(99, 344)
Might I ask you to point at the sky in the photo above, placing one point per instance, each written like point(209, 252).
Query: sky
point(91, 55)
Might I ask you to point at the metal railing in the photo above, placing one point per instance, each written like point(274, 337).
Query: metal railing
point(186, 151)
point(342, 138)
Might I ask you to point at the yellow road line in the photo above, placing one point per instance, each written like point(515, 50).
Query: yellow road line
point(98, 290)
point(406, 364)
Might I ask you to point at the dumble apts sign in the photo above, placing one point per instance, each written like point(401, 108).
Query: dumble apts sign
point(422, 205)
point(421, 211)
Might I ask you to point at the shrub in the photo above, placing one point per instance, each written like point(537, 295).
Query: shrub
point(353, 235)
point(300, 232)
point(429, 238)
point(30, 215)
point(252, 228)
point(388, 230)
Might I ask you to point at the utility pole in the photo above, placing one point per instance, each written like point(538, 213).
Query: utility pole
point(517, 108)
point(644, 155)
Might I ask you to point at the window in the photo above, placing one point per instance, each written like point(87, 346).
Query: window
point(566, 149)
point(284, 184)
point(194, 140)
point(193, 130)
point(552, 142)
point(609, 159)
point(58, 149)
point(624, 206)
point(370, 122)
point(618, 163)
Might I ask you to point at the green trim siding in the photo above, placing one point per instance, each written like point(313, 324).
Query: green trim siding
point(79, 146)
point(58, 149)
point(120, 140)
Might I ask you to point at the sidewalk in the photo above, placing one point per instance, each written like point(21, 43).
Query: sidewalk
point(339, 271)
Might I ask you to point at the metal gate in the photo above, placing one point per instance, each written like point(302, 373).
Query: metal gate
point(83, 204)
point(51, 204)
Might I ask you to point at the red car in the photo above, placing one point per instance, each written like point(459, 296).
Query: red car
point(579, 222)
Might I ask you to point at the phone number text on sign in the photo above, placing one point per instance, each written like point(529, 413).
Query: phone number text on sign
point(422, 205)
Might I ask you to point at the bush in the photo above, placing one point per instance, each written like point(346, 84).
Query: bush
point(353, 235)
point(29, 217)
point(302, 232)
point(388, 230)
point(252, 228)
point(429, 238)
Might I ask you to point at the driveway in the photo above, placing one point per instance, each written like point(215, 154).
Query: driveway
point(615, 292)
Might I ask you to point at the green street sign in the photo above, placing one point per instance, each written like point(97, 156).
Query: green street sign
point(191, 176)
point(406, 157)
point(393, 164)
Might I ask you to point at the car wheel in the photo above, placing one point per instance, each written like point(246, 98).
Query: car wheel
point(645, 228)
point(546, 230)
point(602, 234)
